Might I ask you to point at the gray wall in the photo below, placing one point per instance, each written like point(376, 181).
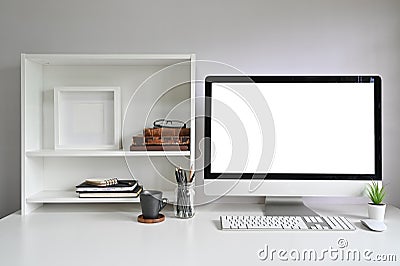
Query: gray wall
point(287, 36)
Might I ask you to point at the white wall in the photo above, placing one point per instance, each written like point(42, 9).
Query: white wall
point(265, 36)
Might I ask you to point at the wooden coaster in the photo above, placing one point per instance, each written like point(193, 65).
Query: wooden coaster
point(159, 219)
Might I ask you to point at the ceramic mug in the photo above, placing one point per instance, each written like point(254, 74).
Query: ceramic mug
point(152, 202)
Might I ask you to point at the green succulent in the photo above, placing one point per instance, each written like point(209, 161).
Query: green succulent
point(375, 193)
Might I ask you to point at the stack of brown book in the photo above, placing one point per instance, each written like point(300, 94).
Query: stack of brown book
point(162, 139)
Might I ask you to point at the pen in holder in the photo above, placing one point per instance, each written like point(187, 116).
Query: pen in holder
point(184, 205)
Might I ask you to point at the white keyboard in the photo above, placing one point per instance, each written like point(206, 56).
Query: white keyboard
point(311, 223)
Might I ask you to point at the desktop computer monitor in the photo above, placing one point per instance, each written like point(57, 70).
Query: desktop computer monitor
point(292, 136)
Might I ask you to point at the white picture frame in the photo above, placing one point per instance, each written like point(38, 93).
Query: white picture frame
point(87, 118)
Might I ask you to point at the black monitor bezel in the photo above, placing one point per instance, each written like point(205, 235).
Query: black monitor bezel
point(209, 80)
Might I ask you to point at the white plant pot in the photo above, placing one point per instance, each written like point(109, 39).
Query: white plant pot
point(376, 211)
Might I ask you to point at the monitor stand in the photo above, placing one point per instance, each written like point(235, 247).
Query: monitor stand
point(287, 206)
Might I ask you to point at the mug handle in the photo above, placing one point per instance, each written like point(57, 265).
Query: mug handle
point(163, 203)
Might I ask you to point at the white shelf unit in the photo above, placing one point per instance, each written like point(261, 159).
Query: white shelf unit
point(152, 86)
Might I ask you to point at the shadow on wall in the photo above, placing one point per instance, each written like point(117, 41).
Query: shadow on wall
point(10, 145)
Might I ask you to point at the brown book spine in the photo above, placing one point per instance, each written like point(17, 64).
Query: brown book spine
point(160, 148)
point(165, 140)
point(157, 132)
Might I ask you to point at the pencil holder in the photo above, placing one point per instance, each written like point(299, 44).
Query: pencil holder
point(184, 206)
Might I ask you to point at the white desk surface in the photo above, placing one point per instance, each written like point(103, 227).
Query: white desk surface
point(110, 235)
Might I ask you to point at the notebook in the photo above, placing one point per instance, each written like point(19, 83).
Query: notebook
point(120, 186)
point(102, 182)
point(107, 194)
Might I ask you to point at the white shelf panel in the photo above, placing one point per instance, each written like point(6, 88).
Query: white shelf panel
point(61, 196)
point(51, 196)
point(84, 153)
point(108, 59)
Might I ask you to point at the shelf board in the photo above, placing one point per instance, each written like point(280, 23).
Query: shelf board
point(70, 196)
point(54, 196)
point(98, 153)
point(108, 59)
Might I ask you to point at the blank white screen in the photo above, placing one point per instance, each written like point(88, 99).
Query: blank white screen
point(323, 128)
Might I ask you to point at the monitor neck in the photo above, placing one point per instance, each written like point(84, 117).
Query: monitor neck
point(287, 206)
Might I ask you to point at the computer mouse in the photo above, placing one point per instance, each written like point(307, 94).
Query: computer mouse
point(374, 225)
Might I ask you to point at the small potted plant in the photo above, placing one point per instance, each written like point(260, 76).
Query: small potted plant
point(376, 209)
